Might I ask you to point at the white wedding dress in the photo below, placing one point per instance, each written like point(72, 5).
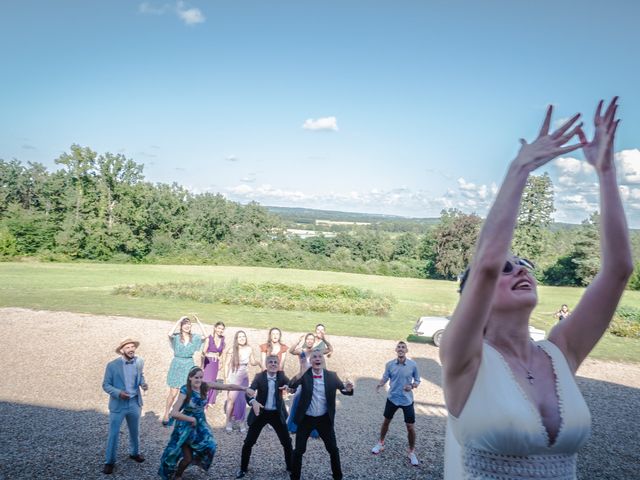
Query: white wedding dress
point(500, 435)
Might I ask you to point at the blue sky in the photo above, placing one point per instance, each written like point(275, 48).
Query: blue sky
point(402, 107)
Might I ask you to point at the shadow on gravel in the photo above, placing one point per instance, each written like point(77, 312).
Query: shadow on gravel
point(40, 442)
point(43, 442)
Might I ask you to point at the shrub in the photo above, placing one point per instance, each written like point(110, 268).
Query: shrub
point(278, 296)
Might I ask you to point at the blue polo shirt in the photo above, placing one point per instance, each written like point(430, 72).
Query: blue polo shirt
point(399, 375)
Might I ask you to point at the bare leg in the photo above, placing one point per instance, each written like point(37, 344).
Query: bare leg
point(384, 429)
point(231, 400)
point(411, 435)
point(186, 460)
point(173, 393)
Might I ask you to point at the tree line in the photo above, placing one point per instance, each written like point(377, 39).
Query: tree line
point(99, 207)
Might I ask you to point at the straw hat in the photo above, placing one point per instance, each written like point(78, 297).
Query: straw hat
point(124, 342)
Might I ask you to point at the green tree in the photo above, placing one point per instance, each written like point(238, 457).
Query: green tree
point(534, 218)
point(453, 241)
point(586, 250)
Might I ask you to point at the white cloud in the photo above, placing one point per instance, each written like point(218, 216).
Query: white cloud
point(189, 16)
point(323, 123)
point(629, 163)
point(231, 158)
point(396, 201)
point(148, 9)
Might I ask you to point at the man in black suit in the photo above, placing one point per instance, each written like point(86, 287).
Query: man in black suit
point(267, 408)
point(316, 411)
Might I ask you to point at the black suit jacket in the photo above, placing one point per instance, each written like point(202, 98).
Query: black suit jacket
point(331, 384)
point(261, 385)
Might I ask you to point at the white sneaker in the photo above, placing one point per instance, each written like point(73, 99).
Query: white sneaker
point(413, 459)
point(228, 428)
point(243, 429)
point(377, 448)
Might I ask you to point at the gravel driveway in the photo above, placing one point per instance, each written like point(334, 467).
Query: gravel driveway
point(53, 412)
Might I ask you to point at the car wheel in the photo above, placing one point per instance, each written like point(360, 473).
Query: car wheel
point(437, 337)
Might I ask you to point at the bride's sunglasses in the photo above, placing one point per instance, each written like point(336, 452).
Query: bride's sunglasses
point(510, 265)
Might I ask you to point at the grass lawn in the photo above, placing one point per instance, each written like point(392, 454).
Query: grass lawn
point(87, 288)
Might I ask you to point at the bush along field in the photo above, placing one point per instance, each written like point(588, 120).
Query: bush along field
point(278, 296)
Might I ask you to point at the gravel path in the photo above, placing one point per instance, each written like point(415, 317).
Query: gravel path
point(53, 412)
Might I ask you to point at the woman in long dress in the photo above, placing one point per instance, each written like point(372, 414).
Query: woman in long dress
point(238, 359)
point(191, 440)
point(515, 410)
point(211, 358)
point(184, 344)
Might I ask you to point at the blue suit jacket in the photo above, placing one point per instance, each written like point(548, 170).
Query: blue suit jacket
point(113, 383)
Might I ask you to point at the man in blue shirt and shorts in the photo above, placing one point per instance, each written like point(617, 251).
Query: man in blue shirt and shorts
point(402, 374)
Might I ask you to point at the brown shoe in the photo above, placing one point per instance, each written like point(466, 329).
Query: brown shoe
point(108, 468)
point(138, 458)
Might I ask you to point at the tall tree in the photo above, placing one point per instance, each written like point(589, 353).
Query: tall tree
point(534, 217)
point(453, 240)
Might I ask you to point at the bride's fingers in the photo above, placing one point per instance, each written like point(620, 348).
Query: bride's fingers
point(565, 126)
point(564, 138)
point(596, 116)
point(544, 130)
point(609, 118)
point(610, 113)
point(570, 148)
point(582, 137)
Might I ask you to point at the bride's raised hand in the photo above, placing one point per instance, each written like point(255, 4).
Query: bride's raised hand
point(599, 151)
point(548, 146)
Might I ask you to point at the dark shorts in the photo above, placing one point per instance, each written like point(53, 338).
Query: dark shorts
point(409, 413)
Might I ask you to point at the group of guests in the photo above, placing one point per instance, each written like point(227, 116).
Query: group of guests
point(192, 440)
point(514, 408)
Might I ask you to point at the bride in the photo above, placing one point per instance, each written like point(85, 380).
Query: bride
point(515, 411)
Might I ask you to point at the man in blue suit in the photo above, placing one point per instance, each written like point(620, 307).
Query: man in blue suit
point(123, 381)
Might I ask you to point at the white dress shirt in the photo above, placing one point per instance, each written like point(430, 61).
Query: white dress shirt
point(318, 406)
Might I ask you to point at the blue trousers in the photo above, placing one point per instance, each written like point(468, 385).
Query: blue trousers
point(132, 414)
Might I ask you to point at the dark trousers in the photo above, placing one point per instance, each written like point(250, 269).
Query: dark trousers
point(328, 435)
point(272, 418)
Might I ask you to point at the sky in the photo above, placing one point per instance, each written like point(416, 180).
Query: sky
point(390, 107)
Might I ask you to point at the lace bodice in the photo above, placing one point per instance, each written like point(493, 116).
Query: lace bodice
point(499, 425)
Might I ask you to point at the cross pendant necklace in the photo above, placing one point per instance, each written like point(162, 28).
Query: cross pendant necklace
point(527, 368)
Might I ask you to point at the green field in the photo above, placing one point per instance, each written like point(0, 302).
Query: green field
point(87, 288)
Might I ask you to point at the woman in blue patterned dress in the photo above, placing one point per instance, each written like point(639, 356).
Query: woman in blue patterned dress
point(192, 439)
point(184, 345)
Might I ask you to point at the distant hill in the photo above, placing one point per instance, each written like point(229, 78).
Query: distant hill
point(310, 215)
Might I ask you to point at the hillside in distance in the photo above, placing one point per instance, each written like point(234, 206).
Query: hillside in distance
point(309, 216)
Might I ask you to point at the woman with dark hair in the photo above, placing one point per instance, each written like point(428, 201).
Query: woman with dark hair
point(192, 439)
point(515, 410)
point(274, 346)
point(239, 357)
point(184, 345)
point(213, 348)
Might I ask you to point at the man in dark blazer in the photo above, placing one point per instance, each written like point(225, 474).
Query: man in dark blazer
point(316, 411)
point(267, 408)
